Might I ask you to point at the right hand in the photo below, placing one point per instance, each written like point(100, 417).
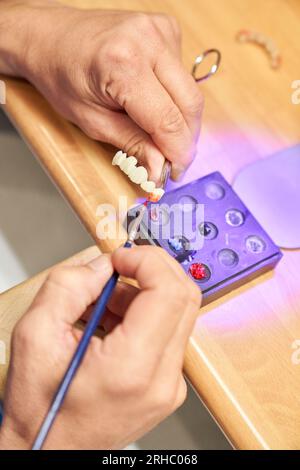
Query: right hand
point(129, 381)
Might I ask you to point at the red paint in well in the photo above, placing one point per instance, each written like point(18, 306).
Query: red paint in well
point(198, 271)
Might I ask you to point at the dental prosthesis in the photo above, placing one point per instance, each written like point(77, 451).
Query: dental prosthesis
point(138, 175)
point(244, 36)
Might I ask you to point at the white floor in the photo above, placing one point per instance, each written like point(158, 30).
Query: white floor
point(38, 229)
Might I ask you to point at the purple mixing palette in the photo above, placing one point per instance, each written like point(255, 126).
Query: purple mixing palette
point(206, 227)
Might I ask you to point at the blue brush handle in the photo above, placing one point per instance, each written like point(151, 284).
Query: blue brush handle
point(90, 329)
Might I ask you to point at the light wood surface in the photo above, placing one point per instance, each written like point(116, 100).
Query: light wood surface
point(239, 357)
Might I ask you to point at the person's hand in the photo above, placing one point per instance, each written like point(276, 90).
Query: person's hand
point(129, 381)
point(117, 75)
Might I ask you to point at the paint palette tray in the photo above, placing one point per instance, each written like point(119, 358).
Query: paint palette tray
point(206, 227)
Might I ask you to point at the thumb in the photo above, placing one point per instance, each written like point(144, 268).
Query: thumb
point(118, 129)
point(68, 291)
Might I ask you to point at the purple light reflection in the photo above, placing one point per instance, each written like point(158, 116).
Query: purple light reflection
point(227, 150)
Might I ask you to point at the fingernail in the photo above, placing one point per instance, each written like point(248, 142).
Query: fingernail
point(177, 172)
point(102, 264)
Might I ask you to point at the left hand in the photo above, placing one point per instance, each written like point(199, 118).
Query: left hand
point(118, 75)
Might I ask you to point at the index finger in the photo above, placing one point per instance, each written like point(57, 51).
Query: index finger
point(183, 90)
point(149, 104)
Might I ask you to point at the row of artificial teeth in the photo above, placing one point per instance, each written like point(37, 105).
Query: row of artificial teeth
point(260, 39)
point(137, 174)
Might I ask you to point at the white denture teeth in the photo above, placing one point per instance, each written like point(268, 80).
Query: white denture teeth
point(128, 164)
point(148, 186)
point(119, 158)
point(156, 194)
point(159, 192)
point(138, 174)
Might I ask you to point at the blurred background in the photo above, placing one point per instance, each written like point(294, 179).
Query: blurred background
point(39, 229)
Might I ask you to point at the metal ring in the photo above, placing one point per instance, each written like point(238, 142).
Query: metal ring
point(200, 59)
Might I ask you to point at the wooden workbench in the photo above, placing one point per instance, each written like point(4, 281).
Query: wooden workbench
point(239, 356)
